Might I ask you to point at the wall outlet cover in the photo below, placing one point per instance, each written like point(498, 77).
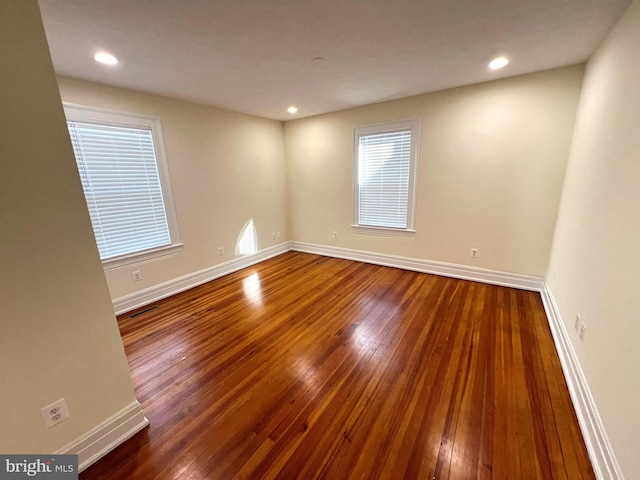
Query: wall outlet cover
point(55, 412)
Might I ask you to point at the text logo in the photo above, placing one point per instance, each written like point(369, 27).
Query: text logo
point(50, 467)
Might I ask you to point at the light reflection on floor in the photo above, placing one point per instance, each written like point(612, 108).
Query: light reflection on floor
point(304, 371)
point(252, 289)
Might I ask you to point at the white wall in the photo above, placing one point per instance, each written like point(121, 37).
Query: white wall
point(58, 333)
point(226, 169)
point(596, 249)
point(492, 161)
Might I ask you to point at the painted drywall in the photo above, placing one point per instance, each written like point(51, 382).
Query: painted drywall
point(491, 165)
point(595, 260)
point(58, 333)
point(226, 169)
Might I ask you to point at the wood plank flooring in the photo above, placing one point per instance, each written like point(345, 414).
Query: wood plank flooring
point(313, 367)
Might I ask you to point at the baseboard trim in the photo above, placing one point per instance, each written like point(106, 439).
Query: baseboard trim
point(463, 272)
point(599, 447)
point(158, 292)
point(106, 436)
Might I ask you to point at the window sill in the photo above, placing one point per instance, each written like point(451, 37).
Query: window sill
point(132, 259)
point(383, 231)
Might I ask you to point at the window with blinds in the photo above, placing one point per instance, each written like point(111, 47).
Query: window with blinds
point(124, 181)
point(385, 166)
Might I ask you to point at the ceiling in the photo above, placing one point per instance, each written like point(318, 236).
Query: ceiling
point(261, 56)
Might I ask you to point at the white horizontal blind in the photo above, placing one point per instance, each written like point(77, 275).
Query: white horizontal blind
point(384, 166)
point(119, 174)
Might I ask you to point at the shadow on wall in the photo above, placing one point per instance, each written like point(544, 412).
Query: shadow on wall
point(247, 243)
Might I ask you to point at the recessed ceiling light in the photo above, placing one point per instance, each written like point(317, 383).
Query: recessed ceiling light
point(498, 63)
point(105, 58)
point(292, 109)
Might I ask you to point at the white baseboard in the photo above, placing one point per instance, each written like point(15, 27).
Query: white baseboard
point(463, 272)
point(600, 450)
point(180, 284)
point(106, 436)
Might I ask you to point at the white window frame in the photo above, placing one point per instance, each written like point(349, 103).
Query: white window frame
point(88, 114)
point(379, 128)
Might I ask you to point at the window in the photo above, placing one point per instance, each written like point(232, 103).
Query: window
point(385, 169)
point(126, 185)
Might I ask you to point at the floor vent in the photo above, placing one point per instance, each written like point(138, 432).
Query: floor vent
point(143, 312)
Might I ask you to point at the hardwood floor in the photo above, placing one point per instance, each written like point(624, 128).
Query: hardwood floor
point(314, 367)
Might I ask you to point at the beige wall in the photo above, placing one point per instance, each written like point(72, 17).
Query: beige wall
point(226, 168)
point(596, 249)
point(492, 160)
point(58, 334)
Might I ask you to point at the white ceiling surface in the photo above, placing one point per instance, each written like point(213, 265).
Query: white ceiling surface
point(256, 56)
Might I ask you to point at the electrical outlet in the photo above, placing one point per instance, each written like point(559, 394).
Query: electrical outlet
point(582, 332)
point(220, 251)
point(55, 413)
point(137, 275)
point(278, 234)
point(273, 236)
point(335, 234)
point(576, 325)
point(474, 253)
